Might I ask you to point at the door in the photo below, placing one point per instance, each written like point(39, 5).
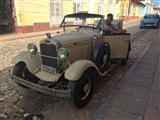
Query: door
point(6, 17)
point(119, 45)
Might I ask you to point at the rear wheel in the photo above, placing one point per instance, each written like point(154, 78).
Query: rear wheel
point(125, 60)
point(102, 56)
point(82, 90)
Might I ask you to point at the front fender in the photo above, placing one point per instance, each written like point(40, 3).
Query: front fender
point(75, 71)
point(33, 63)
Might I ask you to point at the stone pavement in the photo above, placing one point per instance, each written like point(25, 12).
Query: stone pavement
point(137, 96)
point(15, 36)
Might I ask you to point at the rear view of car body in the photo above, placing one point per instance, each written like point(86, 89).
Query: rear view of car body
point(150, 20)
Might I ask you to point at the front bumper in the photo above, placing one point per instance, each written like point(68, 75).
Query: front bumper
point(42, 89)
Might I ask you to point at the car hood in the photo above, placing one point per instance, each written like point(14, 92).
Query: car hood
point(75, 36)
point(150, 20)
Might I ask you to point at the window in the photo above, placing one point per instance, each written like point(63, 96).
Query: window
point(151, 16)
point(55, 11)
point(101, 7)
point(76, 6)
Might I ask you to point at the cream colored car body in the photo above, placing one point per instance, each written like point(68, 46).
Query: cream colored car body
point(78, 43)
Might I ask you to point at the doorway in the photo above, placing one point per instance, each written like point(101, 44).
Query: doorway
point(7, 24)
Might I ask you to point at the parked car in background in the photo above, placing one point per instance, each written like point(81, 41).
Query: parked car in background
point(66, 64)
point(150, 20)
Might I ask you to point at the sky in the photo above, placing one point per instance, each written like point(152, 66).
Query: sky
point(156, 2)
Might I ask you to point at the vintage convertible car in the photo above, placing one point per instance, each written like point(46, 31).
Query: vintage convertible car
point(66, 64)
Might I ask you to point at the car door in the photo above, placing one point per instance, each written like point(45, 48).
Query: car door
point(119, 44)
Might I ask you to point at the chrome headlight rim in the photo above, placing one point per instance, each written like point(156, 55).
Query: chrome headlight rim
point(32, 48)
point(62, 54)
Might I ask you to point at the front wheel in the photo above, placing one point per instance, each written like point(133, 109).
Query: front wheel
point(82, 90)
point(20, 70)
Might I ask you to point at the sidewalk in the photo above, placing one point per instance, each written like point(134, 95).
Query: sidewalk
point(14, 36)
point(137, 96)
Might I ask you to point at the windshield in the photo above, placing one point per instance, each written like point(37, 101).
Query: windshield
point(151, 16)
point(92, 22)
point(81, 20)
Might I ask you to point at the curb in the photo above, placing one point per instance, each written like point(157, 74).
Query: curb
point(100, 112)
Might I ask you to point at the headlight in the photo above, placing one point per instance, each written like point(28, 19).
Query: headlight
point(62, 54)
point(32, 48)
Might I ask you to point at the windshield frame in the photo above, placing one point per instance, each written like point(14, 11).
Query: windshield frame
point(82, 16)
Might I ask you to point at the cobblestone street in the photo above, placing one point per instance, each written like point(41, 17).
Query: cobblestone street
point(16, 102)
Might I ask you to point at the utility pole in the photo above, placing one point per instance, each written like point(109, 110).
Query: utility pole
point(129, 7)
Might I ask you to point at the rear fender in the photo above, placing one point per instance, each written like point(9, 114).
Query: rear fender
point(33, 63)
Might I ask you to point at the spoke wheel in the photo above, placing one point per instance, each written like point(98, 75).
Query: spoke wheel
point(85, 89)
point(125, 60)
point(82, 90)
point(103, 59)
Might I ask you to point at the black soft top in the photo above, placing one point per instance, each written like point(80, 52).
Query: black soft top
point(84, 15)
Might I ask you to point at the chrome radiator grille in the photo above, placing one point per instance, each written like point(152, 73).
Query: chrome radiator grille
point(48, 54)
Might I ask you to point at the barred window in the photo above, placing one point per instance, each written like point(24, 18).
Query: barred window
point(76, 6)
point(55, 11)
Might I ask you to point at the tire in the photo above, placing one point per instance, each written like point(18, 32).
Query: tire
point(125, 60)
point(21, 70)
point(82, 90)
point(102, 56)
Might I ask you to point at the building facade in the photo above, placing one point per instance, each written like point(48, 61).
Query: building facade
point(39, 15)
point(149, 6)
point(137, 8)
point(31, 15)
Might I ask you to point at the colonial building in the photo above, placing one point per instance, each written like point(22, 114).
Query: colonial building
point(137, 8)
point(149, 6)
point(31, 15)
point(40, 15)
